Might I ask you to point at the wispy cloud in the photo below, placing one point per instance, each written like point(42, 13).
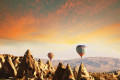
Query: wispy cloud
point(66, 23)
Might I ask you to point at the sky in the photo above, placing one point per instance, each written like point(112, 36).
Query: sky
point(58, 26)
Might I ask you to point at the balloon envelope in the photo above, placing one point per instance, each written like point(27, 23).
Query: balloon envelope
point(81, 50)
point(50, 55)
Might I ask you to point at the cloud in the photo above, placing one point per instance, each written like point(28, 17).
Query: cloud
point(62, 25)
point(103, 35)
point(13, 28)
point(29, 27)
point(87, 7)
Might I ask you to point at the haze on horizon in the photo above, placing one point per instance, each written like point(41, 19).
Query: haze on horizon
point(58, 26)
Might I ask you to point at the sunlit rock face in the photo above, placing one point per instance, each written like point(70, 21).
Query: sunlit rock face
point(75, 71)
point(40, 70)
point(2, 60)
point(49, 67)
point(49, 70)
point(41, 64)
point(83, 74)
point(41, 67)
point(27, 67)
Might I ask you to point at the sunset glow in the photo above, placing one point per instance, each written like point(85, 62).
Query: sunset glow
point(58, 26)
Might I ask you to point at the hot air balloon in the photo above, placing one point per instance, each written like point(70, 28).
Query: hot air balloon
point(50, 55)
point(81, 50)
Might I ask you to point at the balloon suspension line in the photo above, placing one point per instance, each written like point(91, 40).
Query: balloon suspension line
point(81, 59)
point(51, 61)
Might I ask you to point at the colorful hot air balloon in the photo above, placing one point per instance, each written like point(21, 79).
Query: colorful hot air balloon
point(81, 50)
point(50, 55)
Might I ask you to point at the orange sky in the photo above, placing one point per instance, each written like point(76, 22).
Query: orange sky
point(64, 23)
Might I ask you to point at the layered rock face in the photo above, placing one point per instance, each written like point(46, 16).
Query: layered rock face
point(83, 74)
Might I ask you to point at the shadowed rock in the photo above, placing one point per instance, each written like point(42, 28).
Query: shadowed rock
point(59, 72)
point(68, 74)
point(7, 68)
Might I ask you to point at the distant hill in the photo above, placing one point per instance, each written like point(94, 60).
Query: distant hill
point(92, 64)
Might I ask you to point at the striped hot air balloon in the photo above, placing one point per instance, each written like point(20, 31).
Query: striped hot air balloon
point(81, 50)
point(50, 55)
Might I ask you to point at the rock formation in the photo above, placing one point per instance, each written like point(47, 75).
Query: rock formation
point(83, 74)
point(49, 70)
point(27, 67)
point(113, 77)
point(63, 73)
point(2, 60)
point(49, 67)
point(40, 69)
point(68, 74)
point(16, 62)
point(24, 67)
point(59, 72)
point(7, 68)
point(41, 66)
point(75, 71)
